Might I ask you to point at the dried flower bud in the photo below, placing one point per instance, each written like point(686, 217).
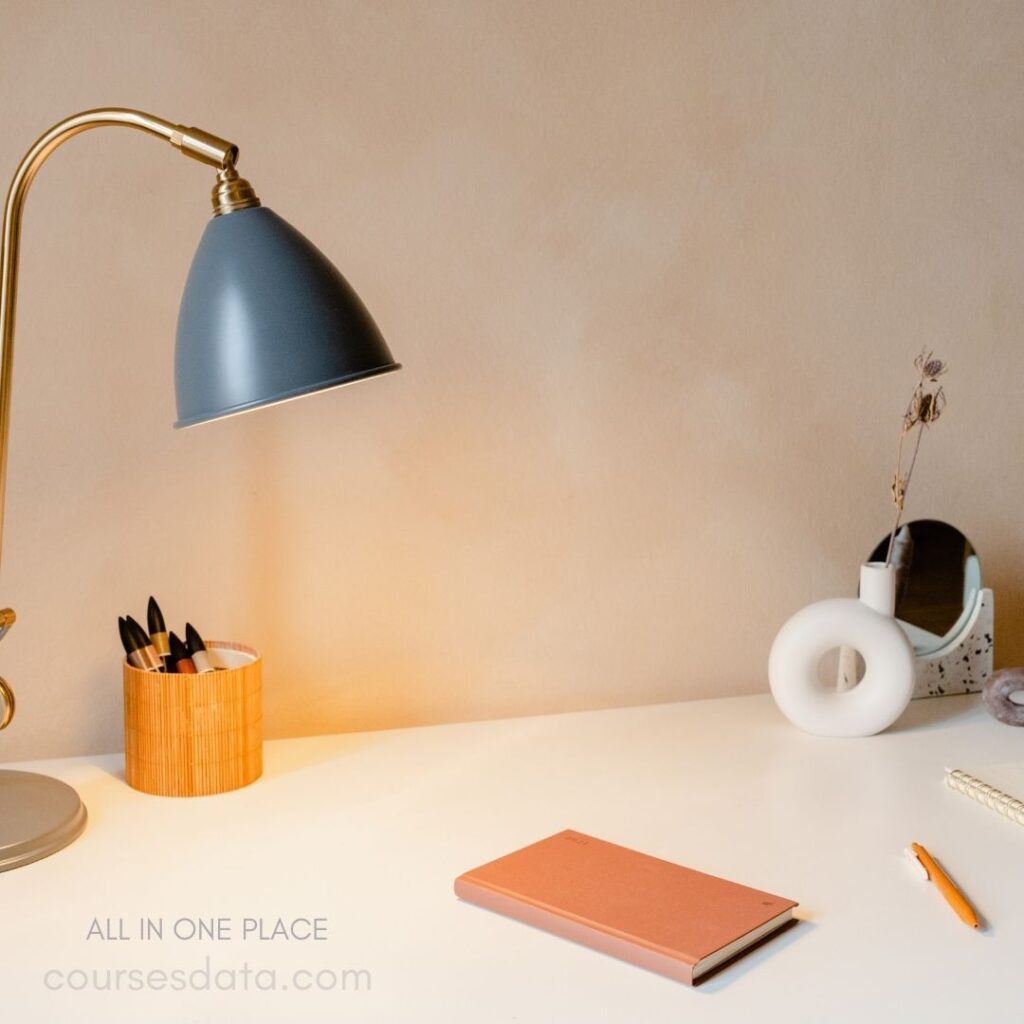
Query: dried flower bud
point(912, 416)
point(931, 409)
point(934, 368)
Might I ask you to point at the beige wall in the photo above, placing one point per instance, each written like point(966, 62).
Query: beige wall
point(656, 271)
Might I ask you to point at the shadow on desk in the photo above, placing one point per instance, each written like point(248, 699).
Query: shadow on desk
point(283, 757)
point(938, 712)
point(734, 969)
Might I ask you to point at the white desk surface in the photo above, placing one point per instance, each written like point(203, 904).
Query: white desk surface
point(369, 830)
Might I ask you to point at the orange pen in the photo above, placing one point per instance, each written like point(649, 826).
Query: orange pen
point(952, 895)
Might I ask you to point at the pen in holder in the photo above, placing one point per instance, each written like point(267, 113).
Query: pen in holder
point(195, 734)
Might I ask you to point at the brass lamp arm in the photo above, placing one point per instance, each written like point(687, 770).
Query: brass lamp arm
point(230, 193)
point(193, 142)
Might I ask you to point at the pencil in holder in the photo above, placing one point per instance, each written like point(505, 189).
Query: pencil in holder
point(195, 735)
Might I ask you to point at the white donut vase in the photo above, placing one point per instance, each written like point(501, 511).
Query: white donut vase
point(875, 702)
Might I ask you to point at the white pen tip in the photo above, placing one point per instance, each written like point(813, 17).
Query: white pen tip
point(915, 860)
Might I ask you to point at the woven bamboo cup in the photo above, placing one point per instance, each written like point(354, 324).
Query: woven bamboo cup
point(194, 735)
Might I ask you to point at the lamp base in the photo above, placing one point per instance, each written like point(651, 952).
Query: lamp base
point(38, 816)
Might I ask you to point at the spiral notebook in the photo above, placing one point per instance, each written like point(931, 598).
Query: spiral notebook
point(999, 787)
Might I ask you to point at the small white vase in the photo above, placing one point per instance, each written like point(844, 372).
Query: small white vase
point(866, 625)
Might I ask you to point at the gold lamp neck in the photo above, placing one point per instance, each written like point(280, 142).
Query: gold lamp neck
point(230, 193)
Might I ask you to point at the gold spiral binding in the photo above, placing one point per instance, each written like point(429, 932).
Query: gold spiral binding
point(986, 795)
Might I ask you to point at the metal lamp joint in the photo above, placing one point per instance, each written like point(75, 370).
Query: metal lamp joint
point(232, 192)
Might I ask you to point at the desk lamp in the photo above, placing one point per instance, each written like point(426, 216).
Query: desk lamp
point(265, 318)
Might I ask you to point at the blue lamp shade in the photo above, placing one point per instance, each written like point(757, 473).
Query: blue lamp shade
point(266, 317)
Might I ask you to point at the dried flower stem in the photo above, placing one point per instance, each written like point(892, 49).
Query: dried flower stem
point(925, 406)
point(906, 483)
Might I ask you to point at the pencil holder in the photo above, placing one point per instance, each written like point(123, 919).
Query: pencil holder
point(194, 735)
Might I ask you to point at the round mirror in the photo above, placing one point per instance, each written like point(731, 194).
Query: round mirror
point(938, 579)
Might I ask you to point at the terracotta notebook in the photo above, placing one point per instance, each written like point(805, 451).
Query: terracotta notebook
point(646, 911)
